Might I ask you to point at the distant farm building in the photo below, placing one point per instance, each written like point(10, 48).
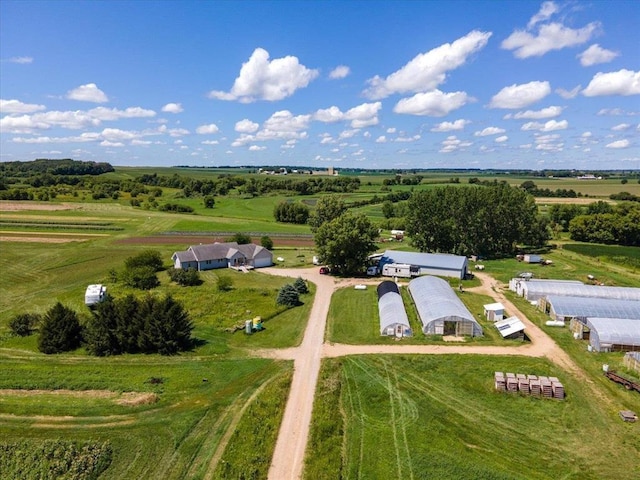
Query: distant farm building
point(223, 255)
point(440, 310)
point(393, 316)
point(439, 264)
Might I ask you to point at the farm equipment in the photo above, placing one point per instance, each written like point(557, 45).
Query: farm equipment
point(628, 384)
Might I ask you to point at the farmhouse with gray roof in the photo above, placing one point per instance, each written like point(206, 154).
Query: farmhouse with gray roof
point(223, 255)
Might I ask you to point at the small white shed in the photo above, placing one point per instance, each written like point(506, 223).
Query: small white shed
point(494, 311)
point(531, 258)
point(511, 327)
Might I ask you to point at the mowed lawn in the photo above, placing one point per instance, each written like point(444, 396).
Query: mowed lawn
point(419, 417)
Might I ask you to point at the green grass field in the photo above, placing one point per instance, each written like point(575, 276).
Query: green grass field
point(414, 417)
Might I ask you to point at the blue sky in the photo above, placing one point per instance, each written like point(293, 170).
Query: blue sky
point(365, 84)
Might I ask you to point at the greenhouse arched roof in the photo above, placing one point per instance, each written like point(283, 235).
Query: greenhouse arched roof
point(593, 307)
point(535, 290)
point(392, 312)
point(436, 303)
point(615, 331)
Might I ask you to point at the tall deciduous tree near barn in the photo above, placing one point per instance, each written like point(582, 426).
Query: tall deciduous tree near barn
point(328, 208)
point(346, 241)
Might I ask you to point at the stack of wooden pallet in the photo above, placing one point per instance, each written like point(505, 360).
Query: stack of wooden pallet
point(545, 386)
point(523, 383)
point(534, 385)
point(557, 388)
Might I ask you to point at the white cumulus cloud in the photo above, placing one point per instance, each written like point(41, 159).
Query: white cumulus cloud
point(16, 106)
point(21, 60)
point(207, 129)
point(596, 54)
point(450, 126)
point(553, 36)
point(619, 144)
point(453, 143)
point(428, 70)
point(501, 139)
point(341, 71)
point(620, 127)
point(88, 93)
point(623, 82)
point(549, 126)
point(246, 126)
point(433, 104)
point(520, 96)
point(173, 108)
point(489, 131)
point(546, 11)
point(548, 112)
point(263, 79)
point(569, 94)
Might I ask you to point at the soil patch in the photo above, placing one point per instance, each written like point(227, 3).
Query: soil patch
point(195, 240)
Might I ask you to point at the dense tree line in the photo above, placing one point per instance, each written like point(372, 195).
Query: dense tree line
point(531, 188)
point(53, 167)
point(619, 225)
point(485, 221)
point(130, 325)
point(625, 196)
point(291, 212)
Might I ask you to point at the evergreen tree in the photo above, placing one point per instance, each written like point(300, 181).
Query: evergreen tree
point(60, 330)
point(288, 296)
point(301, 286)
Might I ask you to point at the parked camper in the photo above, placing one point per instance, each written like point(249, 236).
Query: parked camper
point(95, 294)
point(400, 270)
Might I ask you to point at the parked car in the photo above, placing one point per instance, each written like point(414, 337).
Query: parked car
point(324, 270)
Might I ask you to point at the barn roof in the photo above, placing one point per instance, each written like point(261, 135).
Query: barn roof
point(442, 261)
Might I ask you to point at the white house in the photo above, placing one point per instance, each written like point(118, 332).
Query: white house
point(223, 255)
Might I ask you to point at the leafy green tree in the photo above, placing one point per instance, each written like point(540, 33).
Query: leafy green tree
point(240, 238)
point(301, 286)
point(147, 258)
point(562, 214)
point(24, 324)
point(187, 278)
point(328, 208)
point(266, 242)
point(143, 278)
point(346, 241)
point(288, 296)
point(599, 207)
point(291, 212)
point(388, 210)
point(209, 201)
point(60, 330)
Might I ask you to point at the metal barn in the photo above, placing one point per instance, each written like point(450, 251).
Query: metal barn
point(441, 264)
point(393, 316)
point(440, 310)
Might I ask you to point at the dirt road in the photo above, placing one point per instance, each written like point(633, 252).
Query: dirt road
point(288, 457)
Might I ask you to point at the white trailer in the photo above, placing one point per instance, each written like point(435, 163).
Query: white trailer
point(403, 270)
point(95, 294)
